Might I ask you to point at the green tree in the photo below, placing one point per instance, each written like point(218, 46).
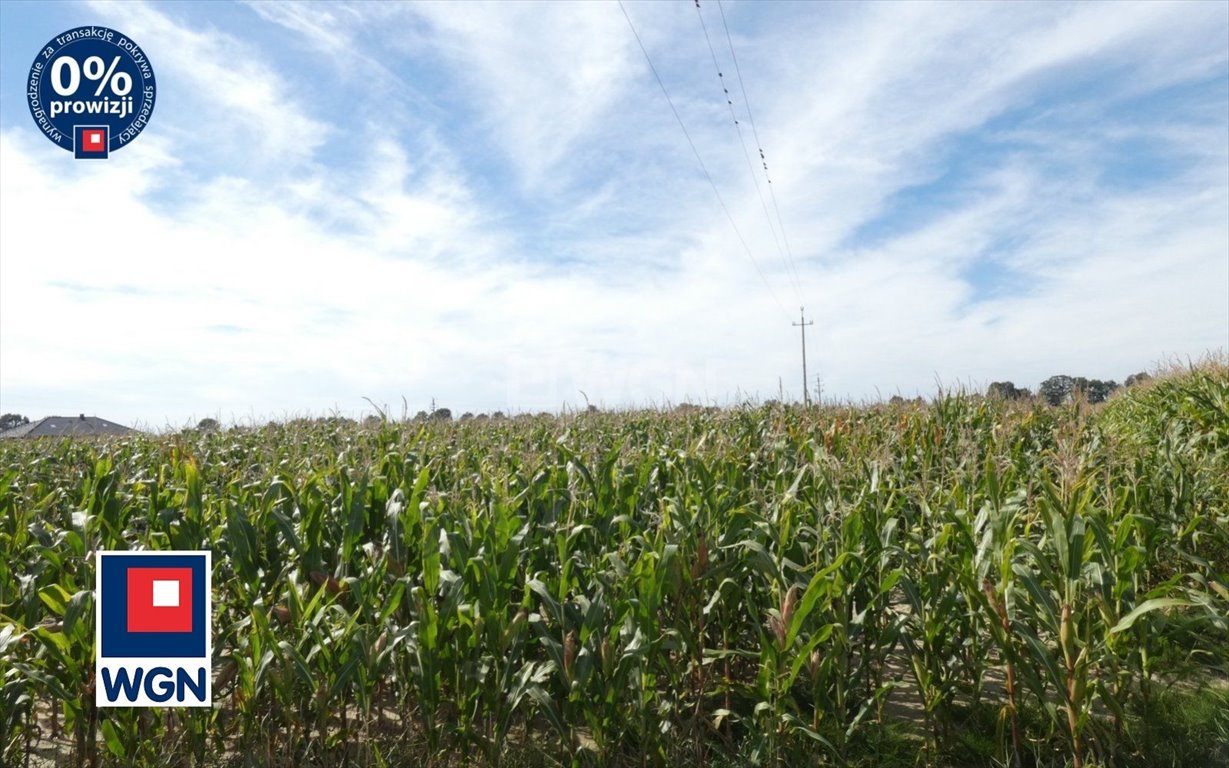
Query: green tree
point(10, 420)
point(1057, 389)
point(1097, 391)
point(1007, 391)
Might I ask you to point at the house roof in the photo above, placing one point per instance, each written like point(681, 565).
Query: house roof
point(58, 426)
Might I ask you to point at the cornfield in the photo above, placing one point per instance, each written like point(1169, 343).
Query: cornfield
point(968, 581)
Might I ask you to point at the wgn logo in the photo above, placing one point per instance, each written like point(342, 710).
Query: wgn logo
point(153, 635)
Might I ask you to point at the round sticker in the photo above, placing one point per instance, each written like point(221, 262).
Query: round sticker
point(91, 91)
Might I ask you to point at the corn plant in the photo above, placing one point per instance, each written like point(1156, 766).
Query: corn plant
point(765, 585)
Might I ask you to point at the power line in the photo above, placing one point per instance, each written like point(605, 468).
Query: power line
point(755, 132)
point(806, 396)
point(747, 153)
point(700, 160)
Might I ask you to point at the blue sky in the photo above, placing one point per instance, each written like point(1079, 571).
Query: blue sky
point(492, 206)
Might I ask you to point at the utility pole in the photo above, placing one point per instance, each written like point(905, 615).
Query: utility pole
point(806, 395)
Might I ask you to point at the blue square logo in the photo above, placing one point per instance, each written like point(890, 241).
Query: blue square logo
point(130, 591)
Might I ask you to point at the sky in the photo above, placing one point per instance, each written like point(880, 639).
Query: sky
point(494, 207)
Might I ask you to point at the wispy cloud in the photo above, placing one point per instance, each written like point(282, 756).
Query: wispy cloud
point(229, 98)
point(492, 205)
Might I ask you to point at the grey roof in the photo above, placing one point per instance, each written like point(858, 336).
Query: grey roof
point(57, 426)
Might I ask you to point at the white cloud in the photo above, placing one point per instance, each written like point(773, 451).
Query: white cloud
point(225, 91)
point(540, 228)
point(543, 76)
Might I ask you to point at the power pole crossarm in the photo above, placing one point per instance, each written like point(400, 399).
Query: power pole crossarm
point(806, 396)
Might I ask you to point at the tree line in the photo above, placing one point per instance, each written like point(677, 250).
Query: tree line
point(1057, 390)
